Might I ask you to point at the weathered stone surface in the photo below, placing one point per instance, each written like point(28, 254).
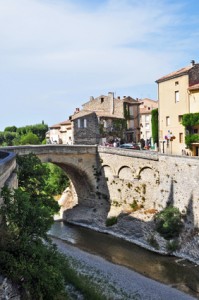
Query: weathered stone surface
point(131, 185)
point(7, 290)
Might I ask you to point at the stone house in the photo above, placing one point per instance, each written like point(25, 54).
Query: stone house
point(178, 94)
point(146, 107)
point(105, 118)
point(60, 133)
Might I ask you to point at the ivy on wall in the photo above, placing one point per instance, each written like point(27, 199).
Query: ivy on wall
point(191, 138)
point(154, 124)
point(189, 120)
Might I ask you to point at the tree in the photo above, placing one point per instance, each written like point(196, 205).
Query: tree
point(11, 128)
point(9, 137)
point(57, 180)
point(27, 256)
point(29, 139)
point(154, 123)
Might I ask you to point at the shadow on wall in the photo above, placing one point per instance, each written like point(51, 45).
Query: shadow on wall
point(92, 205)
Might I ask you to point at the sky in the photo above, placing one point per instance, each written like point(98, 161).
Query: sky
point(55, 54)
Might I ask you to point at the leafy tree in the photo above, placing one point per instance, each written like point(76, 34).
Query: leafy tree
point(57, 180)
point(40, 130)
point(27, 215)
point(169, 222)
point(9, 137)
point(154, 123)
point(11, 128)
point(1, 138)
point(29, 139)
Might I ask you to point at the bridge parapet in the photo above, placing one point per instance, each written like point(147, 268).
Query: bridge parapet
point(149, 155)
point(7, 168)
point(61, 149)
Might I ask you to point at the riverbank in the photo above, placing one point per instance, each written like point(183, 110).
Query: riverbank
point(117, 282)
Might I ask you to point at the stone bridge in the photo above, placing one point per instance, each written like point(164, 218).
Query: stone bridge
point(112, 181)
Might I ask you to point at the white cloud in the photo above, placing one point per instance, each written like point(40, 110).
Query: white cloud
point(65, 48)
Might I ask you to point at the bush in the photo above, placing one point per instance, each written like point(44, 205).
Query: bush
point(169, 222)
point(134, 205)
point(153, 242)
point(111, 221)
point(173, 246)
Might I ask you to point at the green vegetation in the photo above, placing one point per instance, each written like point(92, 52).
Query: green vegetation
point(30, 134)
point(191, 138)
point(27, 256)
point(189, 120)
point(57, 180)
point(169, 222)
point(111, 221)
point(173, 245)
point(153, 242)
point(154, 125)
point(134, 205)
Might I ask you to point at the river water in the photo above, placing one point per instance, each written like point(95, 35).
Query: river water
point(170, 270)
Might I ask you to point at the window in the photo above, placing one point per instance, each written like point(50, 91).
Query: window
point(176, 82)
point(102, 100)
point(78, 123)
point(180, 137)
point(85, 123)
point(147, 125)
point(176, 96)
point(167, 121)
point(180, 118)
point(195, 130)
point(147, 118)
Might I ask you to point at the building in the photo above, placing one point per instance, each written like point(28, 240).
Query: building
point(60, 133)
point(146, 107)
point(178, 94)
point(106, 118)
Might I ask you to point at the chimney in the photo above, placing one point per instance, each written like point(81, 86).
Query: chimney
point(76, 110)
point(192, 62)
point(124, 96)
point(91, 98)
point(111, 97)
point(118, 97)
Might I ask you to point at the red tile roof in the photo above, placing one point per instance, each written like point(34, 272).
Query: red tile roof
point(177, 73)
point(194, 87)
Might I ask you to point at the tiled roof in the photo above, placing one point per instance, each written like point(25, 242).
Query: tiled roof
point(99, 113)
point(194, 87)
point(82, 113)
point(67, 122)
point(177, 73)
point(55, 126)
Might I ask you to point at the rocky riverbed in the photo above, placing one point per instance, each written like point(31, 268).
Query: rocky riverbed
point(117, 282)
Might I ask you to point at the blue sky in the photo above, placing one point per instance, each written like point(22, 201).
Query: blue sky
point(55, 54)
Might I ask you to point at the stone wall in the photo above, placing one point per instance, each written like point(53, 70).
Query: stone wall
point(88, 135)
point(149, 181)
point(7, 170)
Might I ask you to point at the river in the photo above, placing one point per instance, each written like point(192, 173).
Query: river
point(169, 270)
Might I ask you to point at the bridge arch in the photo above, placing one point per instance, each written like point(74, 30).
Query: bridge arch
point(125, 172)
point(77, 162)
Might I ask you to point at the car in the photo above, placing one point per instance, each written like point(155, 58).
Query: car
point(132, 146)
